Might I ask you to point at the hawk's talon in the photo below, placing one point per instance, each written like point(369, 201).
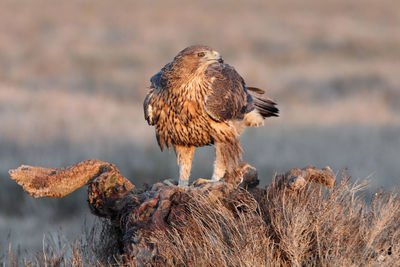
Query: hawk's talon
point(201, 181)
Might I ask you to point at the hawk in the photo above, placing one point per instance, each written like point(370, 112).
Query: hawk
point(197, 100)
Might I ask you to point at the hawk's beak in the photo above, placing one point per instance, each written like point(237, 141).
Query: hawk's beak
point(218, 57)
point(214, 56)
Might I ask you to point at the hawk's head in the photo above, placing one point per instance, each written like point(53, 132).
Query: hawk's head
point(197, 56)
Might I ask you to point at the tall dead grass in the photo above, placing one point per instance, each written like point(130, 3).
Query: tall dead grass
point(278, 227)
point(312, 227)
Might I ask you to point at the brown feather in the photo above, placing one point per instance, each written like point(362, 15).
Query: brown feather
point(265, 106)
point(227, 97)
point(257, 90)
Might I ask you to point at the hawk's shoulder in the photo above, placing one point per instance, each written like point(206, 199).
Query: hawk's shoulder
point(159, 80)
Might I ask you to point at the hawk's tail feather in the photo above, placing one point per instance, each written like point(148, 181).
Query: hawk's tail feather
point(265, 106)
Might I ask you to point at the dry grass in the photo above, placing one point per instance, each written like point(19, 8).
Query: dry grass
point(314, 227)
point(311, 227)
point(97, 246)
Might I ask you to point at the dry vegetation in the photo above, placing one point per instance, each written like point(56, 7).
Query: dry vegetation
point(293, 222)
point(311, 227)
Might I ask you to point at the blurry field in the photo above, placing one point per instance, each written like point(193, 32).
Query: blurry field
point(73, 75)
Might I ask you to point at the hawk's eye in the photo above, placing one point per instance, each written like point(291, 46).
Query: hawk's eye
point(201, 54)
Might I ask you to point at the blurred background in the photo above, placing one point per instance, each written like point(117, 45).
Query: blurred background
point(73, 75)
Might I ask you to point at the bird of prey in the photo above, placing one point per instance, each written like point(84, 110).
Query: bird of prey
point(197, 100)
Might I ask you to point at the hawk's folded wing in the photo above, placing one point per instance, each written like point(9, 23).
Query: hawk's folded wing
point(228, 97)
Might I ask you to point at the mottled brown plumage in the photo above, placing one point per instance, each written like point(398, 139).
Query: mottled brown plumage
point(197, 100)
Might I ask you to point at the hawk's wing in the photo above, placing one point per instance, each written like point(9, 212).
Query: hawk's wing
point(157, 83)
point(228, 97)
point(147, 108)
